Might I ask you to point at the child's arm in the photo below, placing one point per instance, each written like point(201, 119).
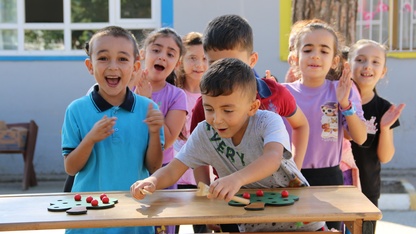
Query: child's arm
point(300, 136)
point(174, 121)
point(385, 148)
point(202, 174)
point(265, 165)
point(356, 126)
point(77, 159)
point(154, 153)
point(162, 178)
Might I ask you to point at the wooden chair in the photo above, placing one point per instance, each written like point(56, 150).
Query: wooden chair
point(29, 176)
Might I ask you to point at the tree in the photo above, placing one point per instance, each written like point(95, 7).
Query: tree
point(340, 14)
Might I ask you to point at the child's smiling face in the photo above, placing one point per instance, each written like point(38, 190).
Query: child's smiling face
point(112, 63)
point(229, 114)
point(368, 65)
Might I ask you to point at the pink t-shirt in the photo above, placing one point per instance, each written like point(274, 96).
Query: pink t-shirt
point(188, 177)
point(169, 98)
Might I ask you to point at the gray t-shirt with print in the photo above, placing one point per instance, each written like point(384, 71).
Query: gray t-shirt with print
point(206, 147)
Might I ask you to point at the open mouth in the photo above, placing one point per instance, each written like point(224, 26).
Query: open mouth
point(113, 82)
point(366, 75)
point(159, 67)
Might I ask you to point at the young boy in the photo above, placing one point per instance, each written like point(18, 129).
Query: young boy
point(111, 137)
point(236, 139)
point(231, 36)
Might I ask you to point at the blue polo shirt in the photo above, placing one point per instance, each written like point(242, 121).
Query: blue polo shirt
point(116, 162)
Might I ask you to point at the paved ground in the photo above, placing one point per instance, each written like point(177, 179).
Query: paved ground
point(393, 221)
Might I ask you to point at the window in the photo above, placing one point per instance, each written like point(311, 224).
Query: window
point(391, 22)
point(61, 27)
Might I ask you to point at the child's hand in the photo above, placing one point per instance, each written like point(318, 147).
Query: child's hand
point(137, 188)
point(143, 86)
point(270, 76)
point(224, 188)
point(102, 129)
point(154, 119)
point(344, 86)
point(392, 114)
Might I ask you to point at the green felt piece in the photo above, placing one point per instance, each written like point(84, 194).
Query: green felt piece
point(269, 198)
point(66, 204)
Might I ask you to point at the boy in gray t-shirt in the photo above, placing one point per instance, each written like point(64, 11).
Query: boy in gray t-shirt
point(245, 145)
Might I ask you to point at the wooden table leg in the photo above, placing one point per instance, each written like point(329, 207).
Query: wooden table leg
point(360, 227)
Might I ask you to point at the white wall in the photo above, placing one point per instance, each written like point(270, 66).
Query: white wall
point(41, 90)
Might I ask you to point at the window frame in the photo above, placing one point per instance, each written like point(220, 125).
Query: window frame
point(156, 20)
point(285, 12)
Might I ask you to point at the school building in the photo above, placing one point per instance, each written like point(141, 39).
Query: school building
point(42, 62)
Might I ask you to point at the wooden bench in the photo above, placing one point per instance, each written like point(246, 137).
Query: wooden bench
point(29, 176)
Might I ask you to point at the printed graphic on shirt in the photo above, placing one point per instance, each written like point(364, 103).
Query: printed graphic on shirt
point(329, 121)
point(371, 125)
point(222, 148)
point(271, 107)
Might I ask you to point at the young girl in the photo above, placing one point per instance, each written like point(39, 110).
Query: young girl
point(162, 50)
point(330, 106)
point(111, 136)
point(193, 65)
point(368, 63)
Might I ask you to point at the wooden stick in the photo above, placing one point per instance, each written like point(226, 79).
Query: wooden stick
point(203, 190)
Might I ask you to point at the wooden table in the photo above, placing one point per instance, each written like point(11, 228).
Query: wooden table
point(177, 207)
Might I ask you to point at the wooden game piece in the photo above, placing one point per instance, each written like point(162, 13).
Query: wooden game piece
point(89, 199)
point(145, 192)
point(203, 190)
point(103, 195)
point(269, 199)
point(246, 195)
point(77, 197)
point(105, 200)
point(255, 206)
point(94, 202)
point(259, 193)
point(67, 204)
point(77, 210)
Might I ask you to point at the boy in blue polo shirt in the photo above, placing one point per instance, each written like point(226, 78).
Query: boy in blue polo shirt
point(112, 137)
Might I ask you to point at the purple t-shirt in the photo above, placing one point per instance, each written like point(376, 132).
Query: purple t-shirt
point(326, 122)
point(169, 98)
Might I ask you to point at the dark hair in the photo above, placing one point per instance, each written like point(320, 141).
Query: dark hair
point(190, 39)
point(166, 32)
point(228, 32)
point(224, 76)
point(114, 31)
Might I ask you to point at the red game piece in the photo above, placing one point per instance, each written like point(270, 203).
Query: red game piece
point(77, 197)
point(103, 195)
point(246, 195)
point(94, 202)
point(89, 199)
point(259, 193)
point(105, 200)
point(285, 193)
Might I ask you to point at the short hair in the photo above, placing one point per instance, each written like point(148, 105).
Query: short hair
point(226, 75)
point(228, 32)
point(114, 31)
